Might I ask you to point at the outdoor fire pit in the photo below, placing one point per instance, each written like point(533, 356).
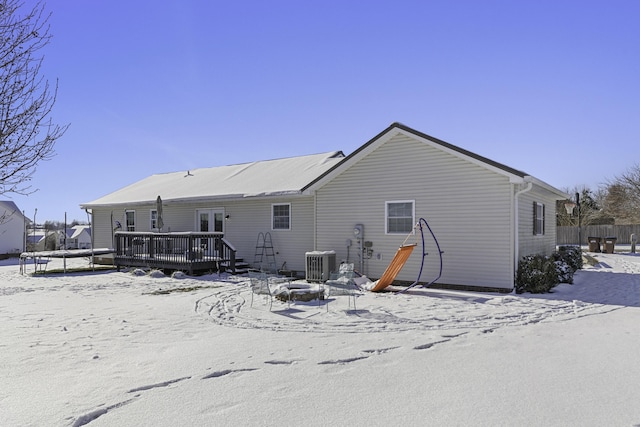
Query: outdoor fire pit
point(301, 292)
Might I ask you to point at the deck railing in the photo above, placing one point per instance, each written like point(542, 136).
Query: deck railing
point(185, 251)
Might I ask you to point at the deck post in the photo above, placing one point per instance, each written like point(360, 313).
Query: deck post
point(152, 246)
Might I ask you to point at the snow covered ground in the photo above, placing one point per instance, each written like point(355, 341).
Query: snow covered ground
point(112, 348)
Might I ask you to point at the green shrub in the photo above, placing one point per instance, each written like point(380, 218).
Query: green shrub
point(536, 274)
point(568, 260)
point(564, 272)
point(539, 274)
point(570, 254)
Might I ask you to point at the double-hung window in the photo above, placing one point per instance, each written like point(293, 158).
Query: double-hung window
point(281, 216)
point(538, 219)
point(154, 219)
point(130, 220)
point(400, 216)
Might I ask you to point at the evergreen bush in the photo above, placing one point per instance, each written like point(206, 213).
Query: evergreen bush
point(536, 274)
point(570, 254)
point(568, 260)
point(564, 272)
point(539, 274)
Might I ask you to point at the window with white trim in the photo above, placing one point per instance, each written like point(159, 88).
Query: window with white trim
point(130, 220)
point(538, 219)
point(400, 216)
point(281, 216)
point(154, 219)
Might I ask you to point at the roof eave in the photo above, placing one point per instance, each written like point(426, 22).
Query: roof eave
point(204, 199)
point(559, 195)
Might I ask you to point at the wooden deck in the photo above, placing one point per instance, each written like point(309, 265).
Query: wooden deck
point(191, 252)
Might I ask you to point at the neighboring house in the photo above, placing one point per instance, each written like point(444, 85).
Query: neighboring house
point(485, 215)
point(40, 239)
point(76, 237)
point(12, 228)
point(35, 240)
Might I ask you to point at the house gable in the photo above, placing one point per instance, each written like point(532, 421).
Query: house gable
point(467, 205)
point(470, 201)
point(515, 176)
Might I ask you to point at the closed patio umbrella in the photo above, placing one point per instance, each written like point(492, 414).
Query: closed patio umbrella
point(159, 210)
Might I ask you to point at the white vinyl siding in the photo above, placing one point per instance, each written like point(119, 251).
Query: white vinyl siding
point(529, 242)
point(467, 206)
point(103, 225)
point(247, 218)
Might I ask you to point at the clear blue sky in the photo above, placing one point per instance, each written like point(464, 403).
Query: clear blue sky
point(551, 87)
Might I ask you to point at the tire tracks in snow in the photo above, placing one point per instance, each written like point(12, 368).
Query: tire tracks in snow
point(228, 306)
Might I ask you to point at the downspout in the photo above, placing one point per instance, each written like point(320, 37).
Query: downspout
point(90, 219)
point(315, 221)
point(516, 250)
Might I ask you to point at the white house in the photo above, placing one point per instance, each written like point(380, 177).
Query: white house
point(485, 215)
point(38, 238)
point(76, 237)
point(12, 228)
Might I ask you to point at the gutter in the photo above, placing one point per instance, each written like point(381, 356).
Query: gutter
point(199, 199)
point(516, 250)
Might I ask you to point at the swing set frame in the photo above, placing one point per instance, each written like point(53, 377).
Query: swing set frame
point(402, 255)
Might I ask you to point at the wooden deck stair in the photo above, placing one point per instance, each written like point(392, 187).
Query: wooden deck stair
point(241, 266)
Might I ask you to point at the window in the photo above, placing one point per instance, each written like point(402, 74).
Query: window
point(400, 217)
point(204, 218)
point(538, 218)
point(130, 220)
point(218, 221)
point(281, 217)
point(154, 219)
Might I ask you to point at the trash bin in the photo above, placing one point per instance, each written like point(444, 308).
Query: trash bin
point(594, 244)
point(609, 244)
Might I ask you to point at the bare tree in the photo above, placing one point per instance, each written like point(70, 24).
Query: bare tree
point(564, 218)
point(622, 200)
point(589, 209)
point(27, 132)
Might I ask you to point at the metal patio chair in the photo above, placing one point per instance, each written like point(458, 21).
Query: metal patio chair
point(341, 283)
point(261, 285)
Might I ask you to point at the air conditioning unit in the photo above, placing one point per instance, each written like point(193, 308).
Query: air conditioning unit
point(319, 265)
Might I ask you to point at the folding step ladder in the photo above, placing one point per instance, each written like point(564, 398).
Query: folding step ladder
point(264, 256)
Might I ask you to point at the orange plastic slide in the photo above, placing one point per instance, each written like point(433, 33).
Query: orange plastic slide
point(398, 261)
